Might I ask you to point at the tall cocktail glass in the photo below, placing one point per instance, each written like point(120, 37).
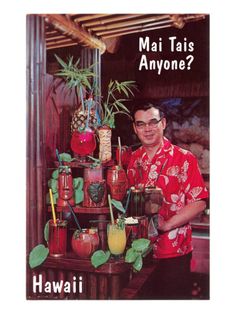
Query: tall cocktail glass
point(57, 241)
point(116, 237)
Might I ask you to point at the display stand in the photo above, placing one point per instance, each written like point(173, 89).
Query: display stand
point(101, 214)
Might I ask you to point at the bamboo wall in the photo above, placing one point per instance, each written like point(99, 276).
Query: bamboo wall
point(36, 65)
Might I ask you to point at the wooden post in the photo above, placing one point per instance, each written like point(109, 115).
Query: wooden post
point(35, 163)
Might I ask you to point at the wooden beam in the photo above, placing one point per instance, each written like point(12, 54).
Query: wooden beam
point(131, 28)
point(110, 20)
point(59, 41)
point(85, 17)
point(57, 36)
point(147, 19)
point(70, 29)
point(61, 45)
point(139, 30)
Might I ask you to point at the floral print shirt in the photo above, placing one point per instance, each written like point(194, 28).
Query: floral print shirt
point(177, 173)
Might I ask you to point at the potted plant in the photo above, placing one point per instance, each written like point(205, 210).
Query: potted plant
point(113, 104)
point(93, 115)
point(84, 119)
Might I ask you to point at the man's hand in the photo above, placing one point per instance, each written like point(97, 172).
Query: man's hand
point(182, 217)
point(163, 225)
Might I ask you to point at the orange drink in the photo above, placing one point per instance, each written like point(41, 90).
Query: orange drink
point(116, 239)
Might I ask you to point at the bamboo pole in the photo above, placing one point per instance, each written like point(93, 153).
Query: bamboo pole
point(51, 32)
point(69, 28)
point(84, 17)
point(36, 69)
point(135, 22)
point(194, 17)
point(57, 36)
point(55, 42)
point(61, 46)
point(130, 28)
point(110, 20)
point(135, 31)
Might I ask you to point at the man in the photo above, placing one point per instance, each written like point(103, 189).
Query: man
point(159, 163)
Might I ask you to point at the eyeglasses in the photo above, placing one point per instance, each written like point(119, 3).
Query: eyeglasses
point(152, 124)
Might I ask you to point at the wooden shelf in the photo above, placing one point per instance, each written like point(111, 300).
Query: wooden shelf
point(101, 216)
point(83, 210)
point(72, 262)
point(79, 164)
point(112, 280)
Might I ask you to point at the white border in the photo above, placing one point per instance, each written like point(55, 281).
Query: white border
point(13, 133)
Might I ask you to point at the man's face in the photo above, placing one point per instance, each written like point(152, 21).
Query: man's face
point(148, 129)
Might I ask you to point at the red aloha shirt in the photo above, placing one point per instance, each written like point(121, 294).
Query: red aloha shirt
point(181, 182)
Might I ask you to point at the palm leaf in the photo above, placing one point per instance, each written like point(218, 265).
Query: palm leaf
point(61, 62)
point(74, 76)
point(118, 103)
point(77, 62)
point(124, 90)
point(121, 112)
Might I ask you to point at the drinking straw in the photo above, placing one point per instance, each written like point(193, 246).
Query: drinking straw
point(119, 145)
point(58, 157)
point(53, 209)
point(88, 115)
point(127, 200)
point(110, 207)
point(75, 218)
point(81, 98)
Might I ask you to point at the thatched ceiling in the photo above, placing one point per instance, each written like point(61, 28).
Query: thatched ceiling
point(95, 30)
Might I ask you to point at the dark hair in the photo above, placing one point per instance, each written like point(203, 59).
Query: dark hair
point(144, 105)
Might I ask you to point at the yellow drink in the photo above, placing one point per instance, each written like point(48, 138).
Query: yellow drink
point(116, 239)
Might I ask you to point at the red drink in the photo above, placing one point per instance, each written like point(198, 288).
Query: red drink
point(57, 238)
point(143, 227)
point(85, 243)
point(117, 182)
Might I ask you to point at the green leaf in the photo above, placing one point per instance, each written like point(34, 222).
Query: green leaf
point(52, 184)
point(54, 196)
point(60, 61)
point(124, 90)
point(79, 196)
point(78, 183)
point(38, 255)
point(122, 106)
point(46, 231)
point(99, 258)
point(131, 255)
point(140, 244)
point(65, 157)
point(147, 251)
point(55, 174)
point(118, 205)
point(110, 85)
point(138, 264)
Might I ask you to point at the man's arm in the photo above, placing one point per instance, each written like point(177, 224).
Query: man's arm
point(186, 214)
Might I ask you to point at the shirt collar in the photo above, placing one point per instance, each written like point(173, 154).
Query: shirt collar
point(166, 147)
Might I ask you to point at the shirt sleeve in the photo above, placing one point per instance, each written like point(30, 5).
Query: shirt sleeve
point(193, 182)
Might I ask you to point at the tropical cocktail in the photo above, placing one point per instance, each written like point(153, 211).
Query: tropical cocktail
point(116, 239)
point(57, 241)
